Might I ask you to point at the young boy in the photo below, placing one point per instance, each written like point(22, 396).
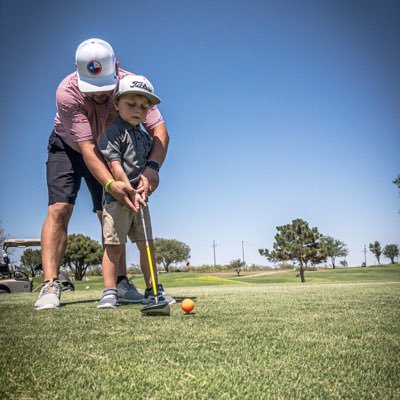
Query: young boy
point(125, 147)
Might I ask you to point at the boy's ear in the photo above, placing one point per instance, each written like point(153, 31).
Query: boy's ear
point(115, 102)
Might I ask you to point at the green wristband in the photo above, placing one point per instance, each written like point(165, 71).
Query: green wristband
point(108, 184)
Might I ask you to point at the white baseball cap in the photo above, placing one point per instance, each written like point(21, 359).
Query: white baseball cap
point(137, 84)
point(95, 63)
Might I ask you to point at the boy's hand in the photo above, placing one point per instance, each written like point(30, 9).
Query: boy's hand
point(137, 200)
point(124, 194)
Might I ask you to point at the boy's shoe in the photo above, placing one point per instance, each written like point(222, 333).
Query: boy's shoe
point(109, 299)
point(127, 292)
point(162, 295)
point(49, 296)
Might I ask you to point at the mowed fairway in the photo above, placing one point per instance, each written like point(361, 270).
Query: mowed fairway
point(244, 341)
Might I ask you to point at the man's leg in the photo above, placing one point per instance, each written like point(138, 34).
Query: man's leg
point(54, 242)
point(64, 171)
point(54, 238)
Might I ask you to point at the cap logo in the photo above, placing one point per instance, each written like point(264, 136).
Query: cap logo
point(140, 85)
point(94, 67)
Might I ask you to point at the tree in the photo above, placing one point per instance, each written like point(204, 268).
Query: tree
point(397, 181)
point(391, 251)
point(81, 253)
point(3, 236)
point(297, 242)
point(375, 248)
point(334, 248)
point(170, 251)
point(31, 259)
point(237, 265)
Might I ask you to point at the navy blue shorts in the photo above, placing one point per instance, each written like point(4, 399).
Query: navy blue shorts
point(65, 169)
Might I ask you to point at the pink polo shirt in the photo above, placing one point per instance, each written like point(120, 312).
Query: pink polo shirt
point(78, 118)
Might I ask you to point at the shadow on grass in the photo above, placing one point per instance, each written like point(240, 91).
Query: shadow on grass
point(71, 303)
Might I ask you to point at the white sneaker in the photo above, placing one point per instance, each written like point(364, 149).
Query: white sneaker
point(49, 296)
point(109, 299)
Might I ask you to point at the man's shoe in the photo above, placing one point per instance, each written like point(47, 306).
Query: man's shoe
point(161, 294)
point(109, 299)
point(127, 293)
point(49, 296)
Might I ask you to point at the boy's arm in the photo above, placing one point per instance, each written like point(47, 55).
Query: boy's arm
point(94, 161)
point(119, 174)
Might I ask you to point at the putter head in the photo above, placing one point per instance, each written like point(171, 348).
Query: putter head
point(160, 308)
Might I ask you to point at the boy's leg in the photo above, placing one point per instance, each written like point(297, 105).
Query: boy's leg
point(122, 271)
point(127, 292)
point(144, 264)
point(112, 254)
point(111, 257)
point(117, 220)
point(137, 235)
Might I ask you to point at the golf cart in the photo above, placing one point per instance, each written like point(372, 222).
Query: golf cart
point(15, 281)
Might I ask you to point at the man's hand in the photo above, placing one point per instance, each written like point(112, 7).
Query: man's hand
point(149, 181)
point(126, 195)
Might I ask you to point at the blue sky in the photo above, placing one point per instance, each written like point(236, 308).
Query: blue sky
point(276, 110)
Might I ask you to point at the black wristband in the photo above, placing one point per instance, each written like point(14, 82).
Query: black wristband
point(153, 165)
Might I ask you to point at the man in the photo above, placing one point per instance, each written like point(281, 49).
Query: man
point(84, 109)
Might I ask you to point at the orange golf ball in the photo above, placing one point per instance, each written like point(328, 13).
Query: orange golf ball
point(187, 305)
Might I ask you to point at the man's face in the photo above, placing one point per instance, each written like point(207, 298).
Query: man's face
point(100, 97)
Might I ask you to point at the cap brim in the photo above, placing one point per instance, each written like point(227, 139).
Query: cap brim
point(92, 85)
point(151, 97)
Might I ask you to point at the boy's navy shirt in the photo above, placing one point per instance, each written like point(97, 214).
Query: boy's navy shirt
point(128, 144)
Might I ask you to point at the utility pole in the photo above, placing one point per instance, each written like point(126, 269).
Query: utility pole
point(244, 262)
point(214, 245)
point(365, 255)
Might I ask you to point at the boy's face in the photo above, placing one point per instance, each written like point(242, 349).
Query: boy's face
point(132, 108)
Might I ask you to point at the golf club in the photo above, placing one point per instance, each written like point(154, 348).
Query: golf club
point(160, 307)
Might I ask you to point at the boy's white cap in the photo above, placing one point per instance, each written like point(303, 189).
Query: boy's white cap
point(137, 84)
point(95, 63)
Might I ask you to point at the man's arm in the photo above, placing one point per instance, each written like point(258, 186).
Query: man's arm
point(150, 178)
point(160, 143)
point(94, 161)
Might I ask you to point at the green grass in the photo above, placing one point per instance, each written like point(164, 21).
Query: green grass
point(336, 340)
point(189, 279)
point(370, 274)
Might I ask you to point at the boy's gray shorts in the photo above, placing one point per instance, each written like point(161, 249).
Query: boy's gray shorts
point(120, 222)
